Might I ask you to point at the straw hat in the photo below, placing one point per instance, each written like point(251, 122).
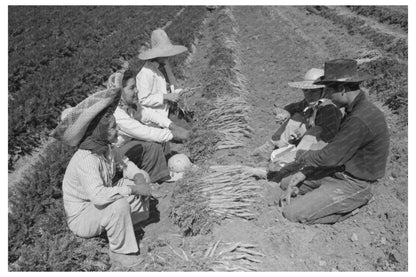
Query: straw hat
point(115, 80)
point(75, 120)
point(310, 76)
point(342, 71)
point(161, 46)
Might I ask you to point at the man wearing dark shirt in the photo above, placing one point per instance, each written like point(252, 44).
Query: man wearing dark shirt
point(354, 159)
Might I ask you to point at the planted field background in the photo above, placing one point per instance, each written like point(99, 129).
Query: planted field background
point(241, 59)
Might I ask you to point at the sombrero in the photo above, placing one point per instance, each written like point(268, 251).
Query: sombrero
point(342, 71)
point(75, 120)
point(161, 46)
point(310, 77)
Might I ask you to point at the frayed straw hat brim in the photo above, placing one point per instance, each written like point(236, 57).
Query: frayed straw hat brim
point(305, 85)
point(165, 51)
point(75, 123)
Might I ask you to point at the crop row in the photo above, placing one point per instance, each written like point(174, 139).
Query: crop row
point(390, 68)
point(397, 45)
point(42, 94)
point(385, 14)
point(39, 239)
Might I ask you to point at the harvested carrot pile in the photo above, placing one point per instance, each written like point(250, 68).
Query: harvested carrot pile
point(205, 197)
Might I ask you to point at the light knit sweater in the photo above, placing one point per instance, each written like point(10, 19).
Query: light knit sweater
point(88, 178)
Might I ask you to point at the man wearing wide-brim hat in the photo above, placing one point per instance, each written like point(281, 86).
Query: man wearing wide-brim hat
point(357, 155)
point(153, 95)
point(308, 122)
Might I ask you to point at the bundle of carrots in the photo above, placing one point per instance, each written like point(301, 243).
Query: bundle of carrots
point(221, 192)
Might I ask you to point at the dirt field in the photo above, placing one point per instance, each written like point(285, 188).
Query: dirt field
point(278, 45)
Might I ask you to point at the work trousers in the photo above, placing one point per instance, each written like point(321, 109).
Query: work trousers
point(116, 218)
point(149, 156)
point(328, 199)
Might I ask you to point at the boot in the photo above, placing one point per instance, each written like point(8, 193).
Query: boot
point(126, 260)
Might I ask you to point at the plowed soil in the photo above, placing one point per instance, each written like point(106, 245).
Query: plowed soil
point(278, 45)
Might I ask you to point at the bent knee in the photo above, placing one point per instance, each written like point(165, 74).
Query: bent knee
point(293, 215)
point(120, 206)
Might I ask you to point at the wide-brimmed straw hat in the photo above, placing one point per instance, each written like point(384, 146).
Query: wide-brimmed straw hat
point(161, 46)
point(75, 120)
point(310, 77)
point(342, 71)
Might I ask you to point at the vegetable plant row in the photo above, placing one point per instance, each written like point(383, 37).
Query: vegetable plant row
point(39, 239)
point(60, 54)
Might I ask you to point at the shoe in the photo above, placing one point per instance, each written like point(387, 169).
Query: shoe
point(266, 148)
point(126, 260)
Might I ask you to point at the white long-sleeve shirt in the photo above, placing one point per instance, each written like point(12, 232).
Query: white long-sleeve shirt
point(151, 86)
point(130, 128)
point(88, 179)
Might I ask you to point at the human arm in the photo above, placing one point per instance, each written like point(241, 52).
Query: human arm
point(296, 107)
point(135, 129)
point(140, 177)
point(346, 142)
point(99, 191)
point(172, 97)
point(149, 93)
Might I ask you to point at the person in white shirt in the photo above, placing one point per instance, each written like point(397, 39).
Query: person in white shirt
point(152, 82)
point(146, 146)
point(92, 202)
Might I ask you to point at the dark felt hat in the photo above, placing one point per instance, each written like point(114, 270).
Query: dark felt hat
point(342, 71)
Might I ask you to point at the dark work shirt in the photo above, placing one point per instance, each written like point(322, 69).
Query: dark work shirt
point(328, 117)
point(296, 107)
point(361, 145)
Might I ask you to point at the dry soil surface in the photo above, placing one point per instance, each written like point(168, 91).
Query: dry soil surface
point(278, 45)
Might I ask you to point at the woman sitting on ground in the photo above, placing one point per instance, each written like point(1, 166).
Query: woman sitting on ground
point(146, 146)
point(93, 203)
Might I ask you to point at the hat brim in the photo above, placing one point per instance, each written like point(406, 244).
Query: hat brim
point(166, 51)
point(305, 85)
point(74, 124)
point(360, 77)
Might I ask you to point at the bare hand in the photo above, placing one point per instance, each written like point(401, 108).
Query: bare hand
point(296, 179)
point(172, 97)
point(141, 178)
point(280, 114)
point(141, 190)
point(180, 90)
point(292, 188)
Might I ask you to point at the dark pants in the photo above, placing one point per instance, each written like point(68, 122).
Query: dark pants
point(327, 200)
point(149, 156)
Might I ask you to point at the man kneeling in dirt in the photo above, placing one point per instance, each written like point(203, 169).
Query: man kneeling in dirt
point(344, 170)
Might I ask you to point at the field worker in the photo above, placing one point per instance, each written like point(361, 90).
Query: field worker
point(358, 151)
point(93, 203)
point(312, 123)
point(146, 146)
point(152, 80)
